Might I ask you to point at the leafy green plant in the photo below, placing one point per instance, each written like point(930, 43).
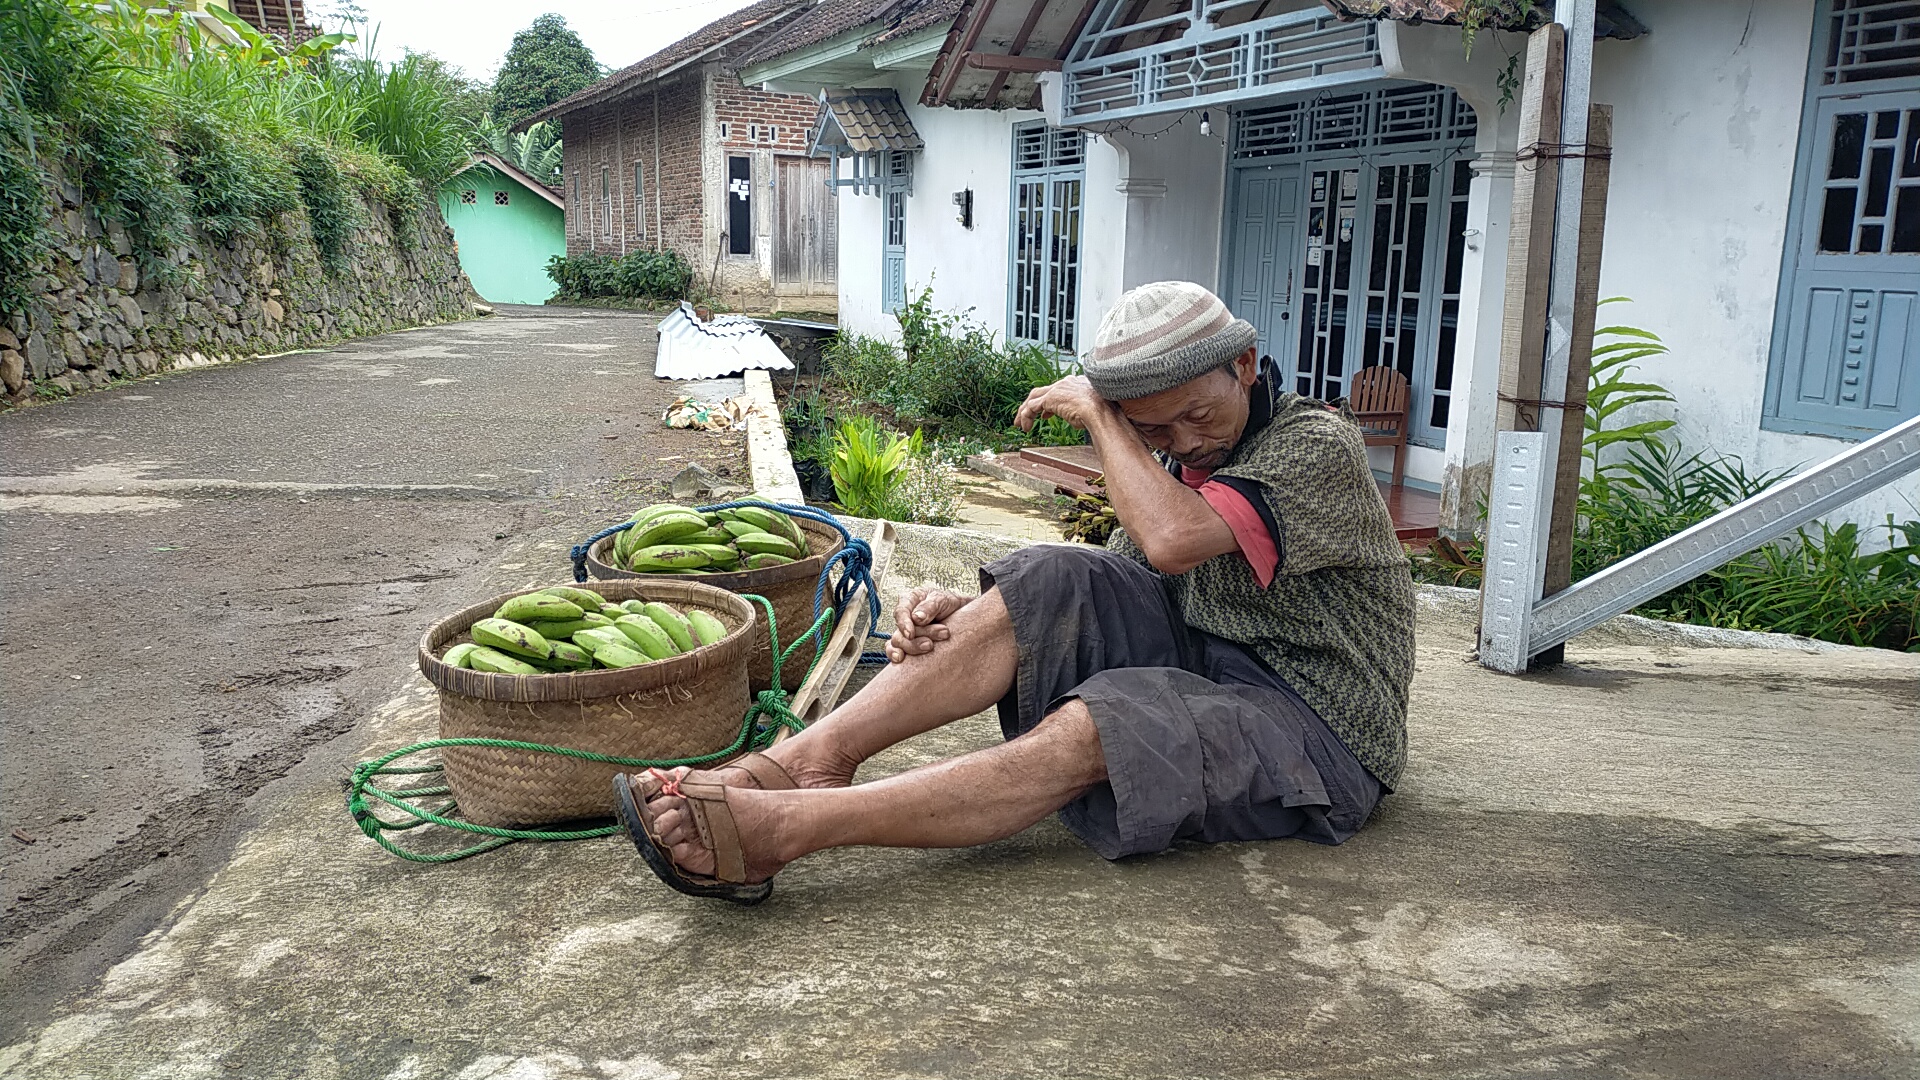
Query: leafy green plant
point(1823, 586)
point(925, 491)
point(867, 463)
point(1053, 431)
point(333, 214)
point(536, 151)
point(642, 275)
point(406, 113)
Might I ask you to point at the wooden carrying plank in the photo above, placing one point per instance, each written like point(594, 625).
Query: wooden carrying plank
point(828, 680)
point(1536, 180)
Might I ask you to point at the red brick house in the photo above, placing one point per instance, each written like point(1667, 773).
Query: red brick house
point(673, 152)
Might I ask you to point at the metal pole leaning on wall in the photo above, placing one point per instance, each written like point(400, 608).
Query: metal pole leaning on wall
point(1726, 536)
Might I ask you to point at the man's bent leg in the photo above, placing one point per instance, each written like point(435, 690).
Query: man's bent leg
point(963, 675)
point(972, 799)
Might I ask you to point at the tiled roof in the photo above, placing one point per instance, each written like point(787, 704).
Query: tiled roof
point(831, 18)
point(872, 120)
point(1610, 19)
point(704, 40)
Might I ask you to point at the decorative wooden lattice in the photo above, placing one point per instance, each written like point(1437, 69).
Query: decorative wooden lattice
point(1136, 58)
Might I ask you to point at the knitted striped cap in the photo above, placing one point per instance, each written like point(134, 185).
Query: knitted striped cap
point(1160, 335)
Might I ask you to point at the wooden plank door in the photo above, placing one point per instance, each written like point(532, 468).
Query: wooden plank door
point(806, 235)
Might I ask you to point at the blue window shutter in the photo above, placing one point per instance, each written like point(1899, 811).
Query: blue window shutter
point(1845, 359)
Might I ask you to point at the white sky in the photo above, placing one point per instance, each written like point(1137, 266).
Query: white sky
point(474, 34)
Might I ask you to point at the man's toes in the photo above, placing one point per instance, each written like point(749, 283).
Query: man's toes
point(692, 857)
point(671, 824)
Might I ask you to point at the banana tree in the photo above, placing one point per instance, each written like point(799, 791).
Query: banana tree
point(266, 49)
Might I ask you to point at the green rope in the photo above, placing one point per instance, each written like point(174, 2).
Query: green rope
point(761, 722)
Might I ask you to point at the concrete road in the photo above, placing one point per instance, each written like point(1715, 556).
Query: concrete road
point(211, 576)
point(1663, 860)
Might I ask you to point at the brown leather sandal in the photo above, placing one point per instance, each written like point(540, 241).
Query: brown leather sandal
point(707, 805)
point(766, 773)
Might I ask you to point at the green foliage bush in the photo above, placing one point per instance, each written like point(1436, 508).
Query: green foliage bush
point(640, 275)
point(164, 129)
point(948, 371)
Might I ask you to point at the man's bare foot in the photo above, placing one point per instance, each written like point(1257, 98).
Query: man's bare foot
point(756, 819)
point(808, 770)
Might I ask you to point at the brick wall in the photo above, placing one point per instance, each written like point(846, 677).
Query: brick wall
point(607, 143)
point(705, 116)
point(753, 120)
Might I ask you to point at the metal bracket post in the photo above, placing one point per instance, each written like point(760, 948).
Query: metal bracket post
point(1515, 557)
point(1723, 537)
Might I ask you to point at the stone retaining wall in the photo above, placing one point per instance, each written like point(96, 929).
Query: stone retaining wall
point(93, 318)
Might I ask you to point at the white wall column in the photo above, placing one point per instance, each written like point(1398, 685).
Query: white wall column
point(1476, 357)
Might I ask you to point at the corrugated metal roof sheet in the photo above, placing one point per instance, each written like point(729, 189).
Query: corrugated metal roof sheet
point(868, 121)
point(691, 349)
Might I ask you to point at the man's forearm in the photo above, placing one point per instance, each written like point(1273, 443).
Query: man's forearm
point(1170, 522)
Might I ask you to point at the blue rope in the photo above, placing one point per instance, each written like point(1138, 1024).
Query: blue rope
point(855, 560)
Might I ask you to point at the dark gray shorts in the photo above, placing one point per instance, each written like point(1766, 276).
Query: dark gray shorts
point(1202, 741)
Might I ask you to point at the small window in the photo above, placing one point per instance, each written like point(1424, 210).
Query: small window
point(773, 133)
point(639, 200)
point(470, 197)
point(739, 206)
point(499, 198)
point(724, 128)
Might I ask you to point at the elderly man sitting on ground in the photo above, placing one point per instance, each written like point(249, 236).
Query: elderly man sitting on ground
point(1234, 666)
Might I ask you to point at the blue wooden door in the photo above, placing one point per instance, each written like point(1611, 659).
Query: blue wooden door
point(1262, 255)
point(1847, 342)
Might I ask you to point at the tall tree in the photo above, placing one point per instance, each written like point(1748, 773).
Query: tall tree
point(546, 63)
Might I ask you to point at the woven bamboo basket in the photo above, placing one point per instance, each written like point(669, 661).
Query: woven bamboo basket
point(684, 706)
point(789, 587)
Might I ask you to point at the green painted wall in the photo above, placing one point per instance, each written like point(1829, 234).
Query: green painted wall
point(504, 249)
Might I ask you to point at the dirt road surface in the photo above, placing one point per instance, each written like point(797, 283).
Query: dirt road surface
point(210, 576)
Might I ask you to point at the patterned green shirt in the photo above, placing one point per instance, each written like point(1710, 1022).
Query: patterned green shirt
point(1337, 621)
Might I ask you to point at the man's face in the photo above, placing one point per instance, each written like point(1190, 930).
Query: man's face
point(1198, 423)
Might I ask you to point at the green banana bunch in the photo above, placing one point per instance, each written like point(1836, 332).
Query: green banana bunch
point(613, 636)
point(485, 659)
point(669, 539)
point(538, 607)
point(509, 637)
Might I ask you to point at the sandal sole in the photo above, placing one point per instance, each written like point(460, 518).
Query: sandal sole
point(663, 865)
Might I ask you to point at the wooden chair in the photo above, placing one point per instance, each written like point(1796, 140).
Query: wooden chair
point(1378, 397)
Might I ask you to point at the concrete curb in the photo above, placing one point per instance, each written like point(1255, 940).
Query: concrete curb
point(768, 461)
point(987, 465)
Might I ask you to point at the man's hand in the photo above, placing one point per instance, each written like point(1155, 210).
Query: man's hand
point(1071, 399)
point(920, 620)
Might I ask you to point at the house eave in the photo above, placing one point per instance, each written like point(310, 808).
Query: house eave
point(514, 173)
point(828, 53)
point(846, 60)
point(915, 52)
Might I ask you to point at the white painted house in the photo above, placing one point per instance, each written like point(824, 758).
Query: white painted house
point(1345, 183)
